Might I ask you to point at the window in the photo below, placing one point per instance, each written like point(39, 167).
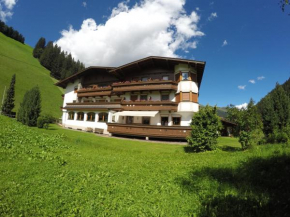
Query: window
point(80, 116)
point(165, 97)
point(146, 120)
point(71, 116)
point(103, 117)
point(184, 76)
point(75, 89)
point(176, 120)
point(134, 97)
point(164, 121)
point(91, 116)
point(143, 97)
point(165, 78)
point(185, 96)
point(144, 79)
point(113, 118)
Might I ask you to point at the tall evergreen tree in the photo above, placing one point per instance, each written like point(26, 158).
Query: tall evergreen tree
point(39, 47)
point(8, 104)
point(30, 107)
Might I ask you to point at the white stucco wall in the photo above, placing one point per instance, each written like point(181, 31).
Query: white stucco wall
point(187, 86)
point(188, 107)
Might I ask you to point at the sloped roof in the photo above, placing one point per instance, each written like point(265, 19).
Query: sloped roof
point(147, 62)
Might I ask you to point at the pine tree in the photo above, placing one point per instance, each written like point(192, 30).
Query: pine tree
point(8, 104)
point(30, 107)
point(39, 47)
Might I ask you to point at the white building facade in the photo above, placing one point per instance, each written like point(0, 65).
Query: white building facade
point(152, 97)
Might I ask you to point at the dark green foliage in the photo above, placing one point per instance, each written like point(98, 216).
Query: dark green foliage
point(10, 32)
point(8, 104)
point(249, 124)
point(275, 111)
point(39, 47)
point(60, 64)
point(30, 107)
point(205, 126)
point(43, 121)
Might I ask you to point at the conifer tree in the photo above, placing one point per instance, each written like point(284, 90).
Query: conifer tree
point(30, 107)
point(8, 104)
point(39, 47)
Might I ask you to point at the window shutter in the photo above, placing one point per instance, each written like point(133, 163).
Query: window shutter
point(185, 96)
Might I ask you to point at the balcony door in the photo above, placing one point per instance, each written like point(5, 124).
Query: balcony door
point(129, 119)
point(164, 121)
point(134, 97)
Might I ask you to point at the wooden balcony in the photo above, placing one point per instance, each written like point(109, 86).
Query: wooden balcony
point(165, 132)
point(145, 85)
point(149, 105)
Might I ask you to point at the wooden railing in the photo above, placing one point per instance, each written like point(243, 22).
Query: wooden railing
point(144, 85)
point(149, 105)
point(170, 132)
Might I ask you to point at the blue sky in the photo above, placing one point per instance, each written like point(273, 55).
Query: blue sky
point(239, 40)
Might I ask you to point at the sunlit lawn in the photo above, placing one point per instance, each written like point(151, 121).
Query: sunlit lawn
point(64, 172)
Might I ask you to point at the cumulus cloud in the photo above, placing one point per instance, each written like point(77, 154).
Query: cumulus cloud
point(85, 4)
point(225, 43)
point(212, 16)
point(261, 78)
point(152, 27)
point(252, 81)
point(242, 87)
point(242, 106)
point(6, 7)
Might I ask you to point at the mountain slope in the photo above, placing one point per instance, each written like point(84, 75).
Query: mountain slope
point(16, 58)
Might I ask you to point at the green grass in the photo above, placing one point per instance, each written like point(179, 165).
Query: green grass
point(16, 58)
point(70, 173)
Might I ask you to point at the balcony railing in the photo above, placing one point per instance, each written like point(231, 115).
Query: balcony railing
point(170, 132)
point(149, 105)
point(144, 85)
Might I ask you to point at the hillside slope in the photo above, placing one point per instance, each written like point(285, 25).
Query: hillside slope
point(16, 58)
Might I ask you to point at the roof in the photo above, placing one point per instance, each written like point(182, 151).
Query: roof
point(144, 63)
point(64, 82)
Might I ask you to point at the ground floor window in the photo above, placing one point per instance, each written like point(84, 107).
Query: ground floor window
point(176, 120)
point(91, 116)
point(103, 117)
point(146, 120)
point(80, 116)
point(71, 116)
point(164, 121)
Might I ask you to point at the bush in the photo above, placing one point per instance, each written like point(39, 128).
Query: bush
point(205, 126)
point(244, 139)
point(44, 121)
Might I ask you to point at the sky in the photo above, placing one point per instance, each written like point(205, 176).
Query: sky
point(245, 44)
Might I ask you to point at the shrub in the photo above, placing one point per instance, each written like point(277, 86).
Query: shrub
point(44, 121)
point(205, 126)
point(30, 107)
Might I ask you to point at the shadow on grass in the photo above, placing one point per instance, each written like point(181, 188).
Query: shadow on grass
point(259, 187)
point(230, 148)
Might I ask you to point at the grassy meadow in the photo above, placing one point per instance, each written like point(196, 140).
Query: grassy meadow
point(16, 58)
point(70, 173)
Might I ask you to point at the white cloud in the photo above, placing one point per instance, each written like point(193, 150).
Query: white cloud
point(197, 9)
point(261, 78)
point(152, 27)
point(85, 4)
point(252, 81)
point(225, 43)
point(212, 16)
point(242, 87)
point(6, 7)
point(244, 106)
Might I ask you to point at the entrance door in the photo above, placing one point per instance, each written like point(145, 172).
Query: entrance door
point(130, 119)
point(164, 121)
